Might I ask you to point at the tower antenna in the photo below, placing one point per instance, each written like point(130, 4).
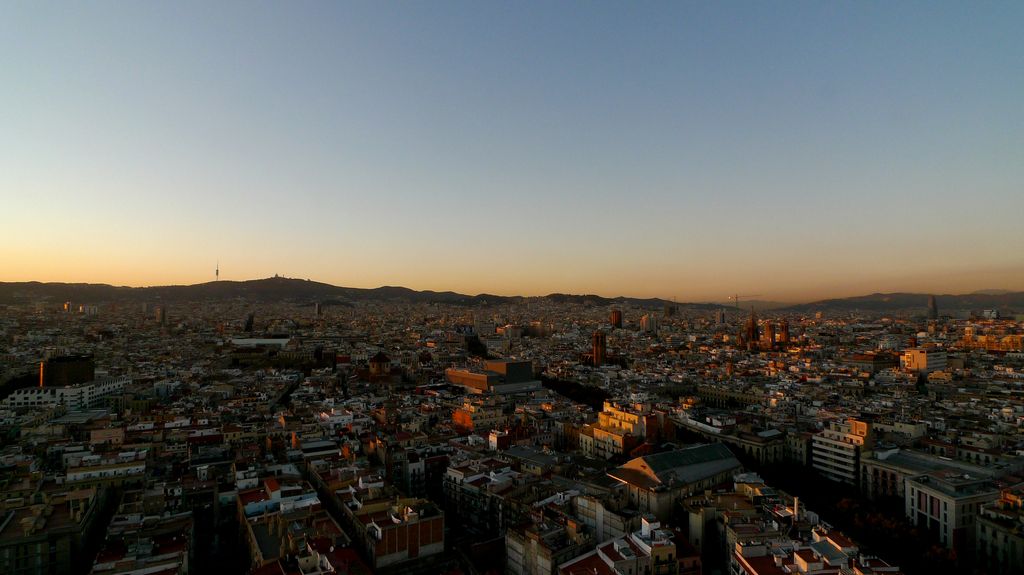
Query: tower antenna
point(217, 271)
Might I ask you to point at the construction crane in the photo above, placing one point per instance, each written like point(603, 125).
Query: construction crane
point(736, 298)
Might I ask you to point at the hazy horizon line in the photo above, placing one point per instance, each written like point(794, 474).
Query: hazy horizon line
point(725, 301)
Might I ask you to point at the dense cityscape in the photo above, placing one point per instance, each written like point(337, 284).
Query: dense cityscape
point(528, 288)
point(558, 435)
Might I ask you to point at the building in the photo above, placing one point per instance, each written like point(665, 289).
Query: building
point(649, 323)
point(924, 359)
point(599, 341)
point(1000, 533)
point(538, 549)
point(49, 532)
point(616, 319)
point(618, 430)
point(102, 471)
point(836, 452)
point(497, 376)
point(74, 397)
point(654, 483)
point(947, 504)
point(480, 415)
point(143, 540)
point(606, 518)
point(885, 472)
point(392, 531)
point(649, 551)
point(751, 331)
point(933, 308)
point(828, 553)
point(872, 362)
point(65, 370)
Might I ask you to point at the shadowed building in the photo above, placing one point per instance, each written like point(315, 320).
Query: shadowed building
point(496, 377)
point(655, 482)
point(67, 370)
point(616, 319)
point(599, 341)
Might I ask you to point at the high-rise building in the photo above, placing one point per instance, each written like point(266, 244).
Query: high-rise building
point(600, 347)
point(720, 316)
point(616, 319)
point(649, 323)
point(784, 331)
point(933, 308)
point(769, 334)
point(752, 333)
point(837, 450)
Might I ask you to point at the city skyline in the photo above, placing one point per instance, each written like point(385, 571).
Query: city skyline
point(798, 151)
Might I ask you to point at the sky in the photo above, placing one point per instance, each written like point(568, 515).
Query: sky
point(688, 150)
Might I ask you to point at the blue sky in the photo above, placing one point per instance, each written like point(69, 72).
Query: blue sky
point(686, 150)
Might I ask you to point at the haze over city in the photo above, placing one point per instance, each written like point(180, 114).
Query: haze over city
point(676, 150)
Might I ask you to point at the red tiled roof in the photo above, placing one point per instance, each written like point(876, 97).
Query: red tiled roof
point(587, 565)
point(252, 496)
point(272, 485)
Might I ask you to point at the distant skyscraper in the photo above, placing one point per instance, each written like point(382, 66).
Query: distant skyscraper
point(317, 310)
point(161, 315)
point(616, 319)
point(600, 347)
point(784, 331)
point(720, 316)
point(752, 334)
point(933, 308)
point(769, 334)
point(249, 320)
point(649, 323)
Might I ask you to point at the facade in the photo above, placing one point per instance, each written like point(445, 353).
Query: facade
point(74, 397)
point(1000, 533)
point(837, 451)
point(125, 468)
point(872, 361)
point(616, 319)
point(924, 359)
point(948, 504)
point(47, 536)
point(499, 377)
point(885, 472)
point(649, 323)
point(540, 549)
point(605, 519)
point(396, 530)
point(599, 344)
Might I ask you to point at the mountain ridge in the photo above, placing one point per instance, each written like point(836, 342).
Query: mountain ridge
point(882, 302)
point(291, 289)
point(307, 291)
